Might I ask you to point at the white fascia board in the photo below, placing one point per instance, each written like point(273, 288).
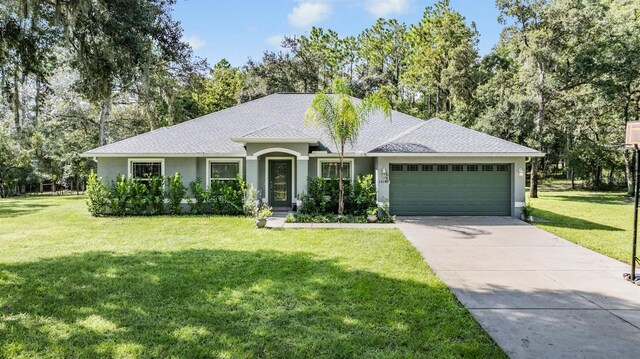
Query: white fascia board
point(275, 140)
point(196, 154)
point(321, 154)
point(459, 154)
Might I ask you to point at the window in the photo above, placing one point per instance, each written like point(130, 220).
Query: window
point(144, 169)
point(502, 168)
point(412, 168)
point(396, 168)
point(487, 168)
point(457, 168)
point(329, 169)
point(427, 168)
point(223, 169)
point(472, 168)
point(443, 168)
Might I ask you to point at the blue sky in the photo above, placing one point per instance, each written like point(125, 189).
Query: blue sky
point(239, 29)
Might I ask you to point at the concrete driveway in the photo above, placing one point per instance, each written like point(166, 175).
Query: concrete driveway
point(537, 295)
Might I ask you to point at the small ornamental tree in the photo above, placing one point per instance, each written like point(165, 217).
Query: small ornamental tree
point(341, 117)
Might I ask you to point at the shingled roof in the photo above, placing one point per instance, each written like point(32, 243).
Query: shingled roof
point(281, 116)
point(437, 136)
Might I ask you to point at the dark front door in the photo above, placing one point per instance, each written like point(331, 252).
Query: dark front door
point(280, 183)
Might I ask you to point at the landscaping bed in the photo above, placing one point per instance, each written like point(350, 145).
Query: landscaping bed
point(334, 218)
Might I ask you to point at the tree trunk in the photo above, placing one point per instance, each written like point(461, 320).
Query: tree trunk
point(573, 180)
point(610, 179)
point(105, 111)
point(533, 178)
point(533, 192)
point(628, 155)
point(628, 175)
point(340, 183)
point(16, 103)
point(36, 108)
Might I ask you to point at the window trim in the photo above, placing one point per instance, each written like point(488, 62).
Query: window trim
point(335, 160)
point(237, 160)
point(152, 160)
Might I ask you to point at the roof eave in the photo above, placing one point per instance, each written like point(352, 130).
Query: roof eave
point(244, 140)
point(456, 154)
point(194, 154)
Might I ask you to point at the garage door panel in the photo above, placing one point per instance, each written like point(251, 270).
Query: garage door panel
point(483, 192)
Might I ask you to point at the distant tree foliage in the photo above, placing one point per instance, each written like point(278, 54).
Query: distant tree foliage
point(564, 78)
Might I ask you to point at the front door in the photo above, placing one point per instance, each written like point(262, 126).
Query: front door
point(280, 183)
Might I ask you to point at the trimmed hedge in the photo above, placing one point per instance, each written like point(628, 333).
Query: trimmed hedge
point(159, 195)
point(320, 203)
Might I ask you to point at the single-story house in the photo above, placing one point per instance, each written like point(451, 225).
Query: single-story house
point(420, 167)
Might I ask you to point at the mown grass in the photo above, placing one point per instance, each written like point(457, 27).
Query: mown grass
point(601, 221)
point(193, 287)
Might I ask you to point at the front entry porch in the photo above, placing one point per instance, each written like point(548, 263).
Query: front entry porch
point(279, 173)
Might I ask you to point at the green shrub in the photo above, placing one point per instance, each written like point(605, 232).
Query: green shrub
point(322, 196)
point(332, 194)
point(155, 195)
point(324, 218)
point(251, 201)
point(138, 198)
point(120, 196)
point(176, 191)
point(227, 197)
point(384, 216)
point(97, 196)
point(314, 201)
point(199, 194)
point(364, 195)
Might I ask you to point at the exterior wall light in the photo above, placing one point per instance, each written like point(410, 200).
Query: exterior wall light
point(520, 172)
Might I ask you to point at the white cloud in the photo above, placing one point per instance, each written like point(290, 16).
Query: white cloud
point(195, 42)
point(275, 40)
point(382, 8)
point(309, 13)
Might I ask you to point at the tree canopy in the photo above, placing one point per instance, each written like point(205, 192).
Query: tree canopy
point(564, 79)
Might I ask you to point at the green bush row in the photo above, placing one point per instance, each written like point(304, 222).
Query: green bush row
point(322, 196)
point(159, 195)
point(320, 203)
point(324, 218)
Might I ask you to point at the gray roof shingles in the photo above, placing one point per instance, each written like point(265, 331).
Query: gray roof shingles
point(282, 115)
point(278, 130)
point(438, 136)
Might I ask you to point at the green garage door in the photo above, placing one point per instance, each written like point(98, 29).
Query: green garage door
point(450, 189)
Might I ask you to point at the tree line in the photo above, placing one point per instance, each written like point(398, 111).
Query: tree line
point(564, 78)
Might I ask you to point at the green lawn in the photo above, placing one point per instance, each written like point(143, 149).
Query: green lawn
point(601, 221)
point(76, 286)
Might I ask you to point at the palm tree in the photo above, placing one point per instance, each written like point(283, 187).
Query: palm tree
point(342, 117)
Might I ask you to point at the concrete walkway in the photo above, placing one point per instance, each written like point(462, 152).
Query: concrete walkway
point(537, 295)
